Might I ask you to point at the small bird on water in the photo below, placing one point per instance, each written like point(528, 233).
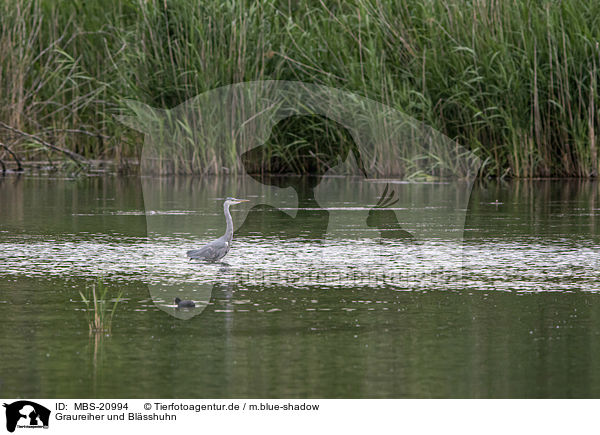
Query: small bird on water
point(184, 304)
point(217, 249)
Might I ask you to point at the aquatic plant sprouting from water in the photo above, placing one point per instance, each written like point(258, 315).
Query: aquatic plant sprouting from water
point(101, 320)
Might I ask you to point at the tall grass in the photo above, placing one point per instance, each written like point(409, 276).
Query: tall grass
point(97, 302)
point(514, 81)
point(55, 81)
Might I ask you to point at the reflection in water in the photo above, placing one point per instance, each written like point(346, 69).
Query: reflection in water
point(523, 322)
point(385, 220)
point(310, 222)
point(300, 151)
point(303, 148)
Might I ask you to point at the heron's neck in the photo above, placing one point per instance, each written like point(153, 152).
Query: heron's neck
point(229, 230)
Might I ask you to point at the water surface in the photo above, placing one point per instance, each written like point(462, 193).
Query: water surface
point(299, 313)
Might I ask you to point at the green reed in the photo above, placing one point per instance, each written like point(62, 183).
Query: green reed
point(514, 81)
point(98, 307)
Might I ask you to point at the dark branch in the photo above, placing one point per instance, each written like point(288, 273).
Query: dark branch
point(79, 159)
point(14, 156)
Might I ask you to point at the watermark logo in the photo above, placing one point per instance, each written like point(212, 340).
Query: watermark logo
point(25, 414)
point(315, 164)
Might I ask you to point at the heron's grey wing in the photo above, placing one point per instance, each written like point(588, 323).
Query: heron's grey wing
point(206, 252)
point(212, 252)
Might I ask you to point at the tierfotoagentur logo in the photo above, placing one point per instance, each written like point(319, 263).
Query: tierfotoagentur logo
point(25, 414)
point(308, 174)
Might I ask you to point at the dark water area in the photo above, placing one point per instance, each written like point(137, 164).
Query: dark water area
point(520, 320)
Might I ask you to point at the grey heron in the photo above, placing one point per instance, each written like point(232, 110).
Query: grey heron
point(184, 304)
point(217, 249)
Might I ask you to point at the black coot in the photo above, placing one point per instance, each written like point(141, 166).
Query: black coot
point(184, 303)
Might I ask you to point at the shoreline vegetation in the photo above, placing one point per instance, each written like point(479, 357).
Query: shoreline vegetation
point(514, 82)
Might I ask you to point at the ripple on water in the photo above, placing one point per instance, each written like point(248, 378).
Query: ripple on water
point(524, 265)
